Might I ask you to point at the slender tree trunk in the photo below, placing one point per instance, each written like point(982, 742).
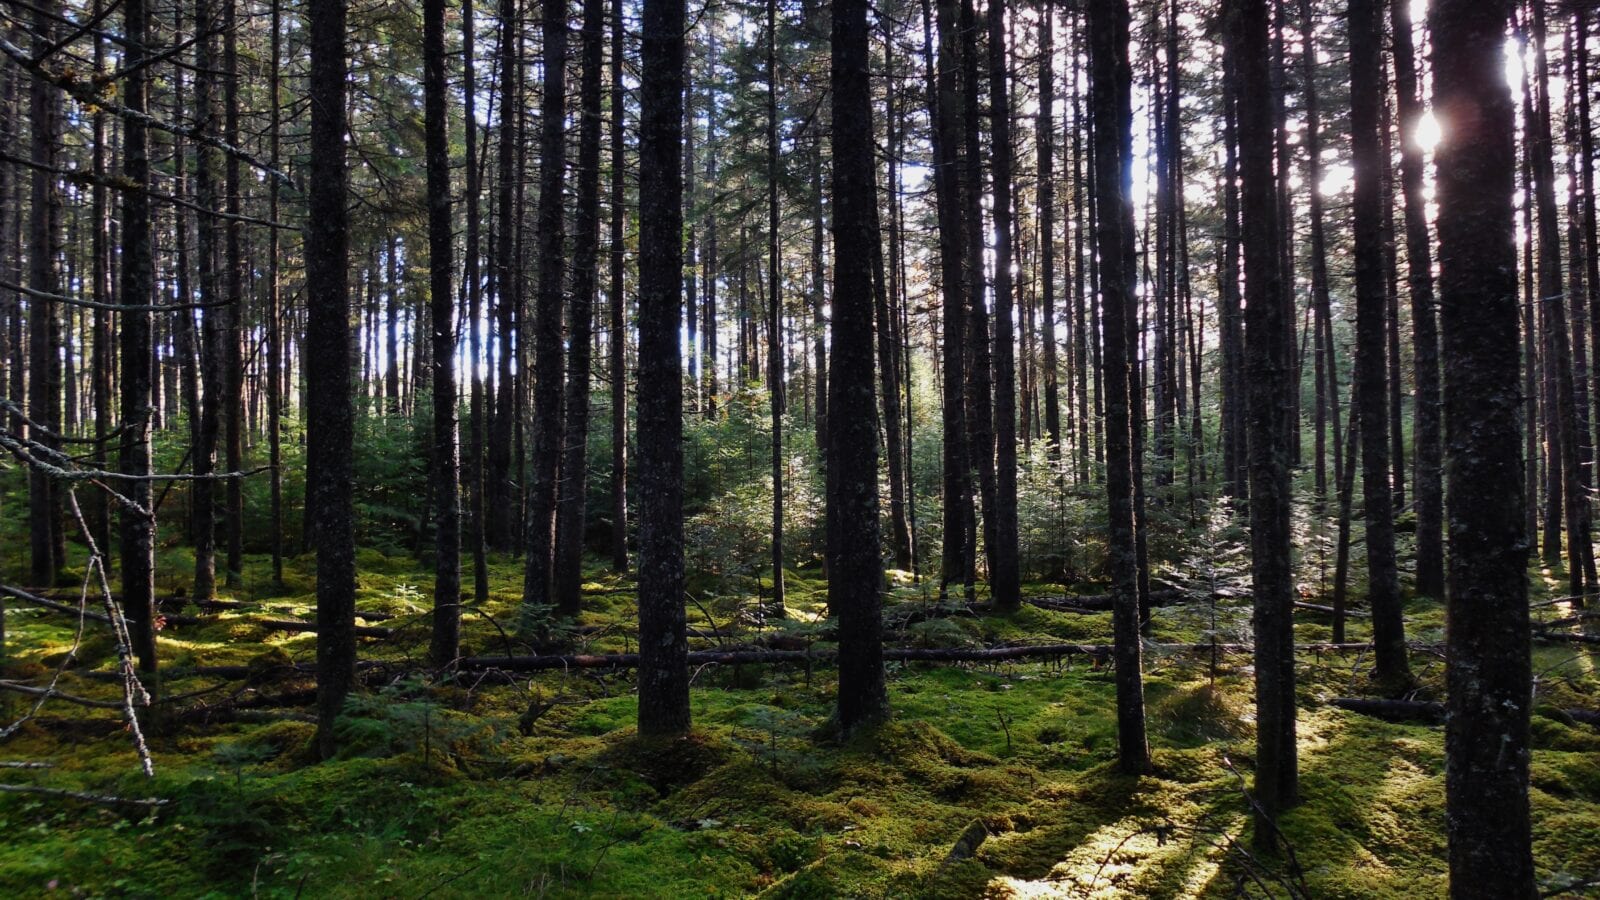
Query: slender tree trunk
point(1489, 673)
point(1111, 82)
point(663, 645)
point(883, 289)
point(1366, 100)
point(477, 532)
point(44, 337)
point(233, 346)
point(571, 511)
point(274, 311)
point(137, 289)
point(1004, 577)
point(944, 85)
point(1044, 140)
point(444, 477)
point(775, 355)
point(619, 323)
point(1234, 449)
point(330, 418)
point(1424, 330)
point(212, 319)
point(500, 490)
point(537, 583)
point(1270, 368)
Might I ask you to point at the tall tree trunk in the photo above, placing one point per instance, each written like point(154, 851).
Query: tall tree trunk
point(619, 321)
point(663, 644)
point(571, 510)
point(444, 476)
point(330, 416)
point(1424, 330)
point(274, 311)
point(945, 86)
point(1044, 140)
point(1489, 673)
point(1235, 452)
point(855, 569)
point(477, 531)
point(44, 337)
point(1111, 83)
point(883, 288)
point(980, 375)
point(500, 489)
point(137, 289)
point(233, 337)
point(1004, 578)
point(1270, 369)
point(212, 319)
point(1561, 416)
point(1366, 100)
point(775, 386)
point(538, 569)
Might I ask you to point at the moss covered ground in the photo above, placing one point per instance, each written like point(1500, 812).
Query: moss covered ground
point(539, 786)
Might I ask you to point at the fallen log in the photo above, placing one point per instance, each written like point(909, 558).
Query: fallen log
point(1429, 711)
point(1571, 637)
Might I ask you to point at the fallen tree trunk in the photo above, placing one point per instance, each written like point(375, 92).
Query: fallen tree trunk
point(1429, 711)
point(1571, 637)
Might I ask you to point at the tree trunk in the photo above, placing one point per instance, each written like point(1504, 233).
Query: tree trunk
point(137, 289)
point(1489, 673)
point(444, 476)
point(1111, 83)
point(330, 417)
point(1366, 100)
point(855, 569)
point(1044, 139)
point(538, 571)
point(956, 562)
point(619, 320)
point(1004, 577)
point(212, 318)
point(664, 648)
point(500, 488)
point(1270, 367)
point(44, 338)
point(775, 355)
point(574, 491)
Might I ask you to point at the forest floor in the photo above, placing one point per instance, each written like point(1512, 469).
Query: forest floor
point(538, 785)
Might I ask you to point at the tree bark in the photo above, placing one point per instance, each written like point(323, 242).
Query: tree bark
point(137, 289)
point(1490, 672)
point(330, 416)
point(1004, 577)
point(1366, 100)
point(619, 320)
point(574, 490)
point(1111, 83)
point(1269, 365)
point(855, 569)
point(539, 566)
point(444, 477)
point(663, 664)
